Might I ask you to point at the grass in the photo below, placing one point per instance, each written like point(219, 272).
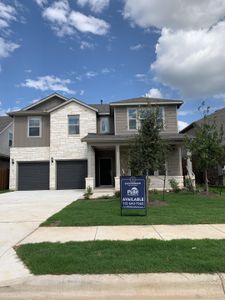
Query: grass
point(113, 257)
point(182, 208)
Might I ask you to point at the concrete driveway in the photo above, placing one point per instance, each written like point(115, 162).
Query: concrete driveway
point(20, 214)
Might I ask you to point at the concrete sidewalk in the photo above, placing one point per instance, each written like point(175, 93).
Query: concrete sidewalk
point(116, 287)
point(126, 233)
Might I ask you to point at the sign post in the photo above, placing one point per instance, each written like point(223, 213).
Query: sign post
point(133, 193)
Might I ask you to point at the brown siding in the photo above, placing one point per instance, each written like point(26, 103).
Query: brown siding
point(20, 133)
point(120, 116)
point(173, 162)
point(49, 104)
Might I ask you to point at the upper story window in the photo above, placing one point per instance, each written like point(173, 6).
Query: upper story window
point(34, 126)
point(136, 115)
point(10, 139)
point(74, 124)
point(132, 118)
point(104, 125)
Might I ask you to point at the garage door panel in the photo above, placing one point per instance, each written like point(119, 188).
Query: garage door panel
point(33, 176)
point(71, 174)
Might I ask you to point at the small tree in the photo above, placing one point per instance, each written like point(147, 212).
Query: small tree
point(147, 150)
point(206, 145)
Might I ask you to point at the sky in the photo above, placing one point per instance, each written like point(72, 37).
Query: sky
point(110, 50)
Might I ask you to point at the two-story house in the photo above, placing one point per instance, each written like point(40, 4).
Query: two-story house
point(216, 175)
point(68, 144)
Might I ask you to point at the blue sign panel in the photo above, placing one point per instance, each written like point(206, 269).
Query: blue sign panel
point(133, 193)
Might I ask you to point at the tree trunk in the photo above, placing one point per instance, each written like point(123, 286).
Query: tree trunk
point(206, 182)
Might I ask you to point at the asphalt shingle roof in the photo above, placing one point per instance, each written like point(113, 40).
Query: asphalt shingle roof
point(4, 122)
point(102, 108)
point(146, 99)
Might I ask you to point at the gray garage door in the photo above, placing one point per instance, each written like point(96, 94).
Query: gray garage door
point(33, 176)
point(71, 174)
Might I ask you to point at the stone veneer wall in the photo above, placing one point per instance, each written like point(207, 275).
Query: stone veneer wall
point(62, 146)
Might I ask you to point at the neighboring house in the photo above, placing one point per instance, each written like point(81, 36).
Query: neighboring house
point(215, 175)
point(6, 139)
point(68, 144)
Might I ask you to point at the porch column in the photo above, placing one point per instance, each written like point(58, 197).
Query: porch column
point(90, 180)
point(117, 178)
point(117, 160)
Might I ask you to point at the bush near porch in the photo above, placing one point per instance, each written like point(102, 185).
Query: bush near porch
point(179, 208)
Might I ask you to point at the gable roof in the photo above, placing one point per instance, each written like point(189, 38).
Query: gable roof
point(215, 114)
point(5, 121)
point(71, 101)
point(103, 109)
point(45, 99)
point(145, 101)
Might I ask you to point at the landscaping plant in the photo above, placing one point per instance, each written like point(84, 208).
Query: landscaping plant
point(147, 150)
point(206, 145)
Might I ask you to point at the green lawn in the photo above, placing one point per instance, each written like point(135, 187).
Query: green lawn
point(181, 208)
point(113, 257)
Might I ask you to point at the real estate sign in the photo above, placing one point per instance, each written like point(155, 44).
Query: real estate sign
point(132, 192)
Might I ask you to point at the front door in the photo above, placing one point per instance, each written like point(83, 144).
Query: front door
point(105, 171)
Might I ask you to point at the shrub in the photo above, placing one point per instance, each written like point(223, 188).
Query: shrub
point(117, 194)
point(188, 184)
point(88, 193)
point(174, 185)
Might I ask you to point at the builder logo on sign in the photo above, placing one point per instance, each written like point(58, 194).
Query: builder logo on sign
point(133, 192)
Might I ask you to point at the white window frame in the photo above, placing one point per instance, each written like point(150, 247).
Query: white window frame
point(10, 133)
point(73, 134)
point(128, 119)
point(40, 127)
point(138, 121)
point(101, 120)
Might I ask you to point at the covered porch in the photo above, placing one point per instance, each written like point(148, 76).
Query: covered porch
point(108, 157)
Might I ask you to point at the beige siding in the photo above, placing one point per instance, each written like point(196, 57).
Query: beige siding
point(174, 162)
point(4, 141)
point(121, 119)
point(49, 104)
point(21, 138)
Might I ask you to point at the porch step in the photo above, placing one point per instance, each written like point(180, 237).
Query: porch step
point(100, 192)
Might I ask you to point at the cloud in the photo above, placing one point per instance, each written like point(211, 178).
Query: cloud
point(41, 3)
point(182, 125)
point(153, 93)
point(142, 77)
point(192, 61)
point(190, 52)
point(96, 6)
point(90, 74)
point(136, 47)
point(49, 83)
point(174, 14)
point(7, 47)
point(185, 113)
point(86, 45)
point(65, 21)
point(7, 15)
point(81, 92)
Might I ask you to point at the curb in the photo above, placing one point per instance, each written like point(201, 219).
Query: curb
point(121, 286)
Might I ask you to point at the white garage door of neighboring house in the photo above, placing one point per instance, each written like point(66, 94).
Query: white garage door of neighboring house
point(71, 174)
point(33, 176)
